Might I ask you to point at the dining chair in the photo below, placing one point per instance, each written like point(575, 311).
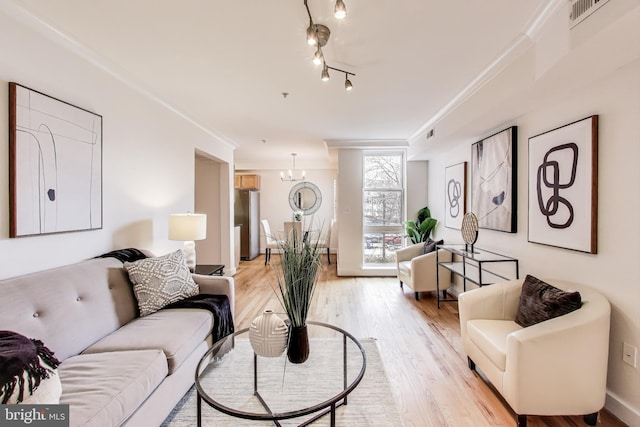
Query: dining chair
point(271, 242)
point(325, 243)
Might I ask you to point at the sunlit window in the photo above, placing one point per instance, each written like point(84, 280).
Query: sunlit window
point(383, 201)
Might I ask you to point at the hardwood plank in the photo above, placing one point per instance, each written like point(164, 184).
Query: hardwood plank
point(419, 345)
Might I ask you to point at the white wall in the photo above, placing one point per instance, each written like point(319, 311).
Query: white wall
point(207, 201)
point(613, 270)
point(274, 200)
point(148, 156)
point(416, 195)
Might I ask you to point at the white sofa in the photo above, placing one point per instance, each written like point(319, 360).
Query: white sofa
point(418, 270)
point(116, 368)
point(556, 367)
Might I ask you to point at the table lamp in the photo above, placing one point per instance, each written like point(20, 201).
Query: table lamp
point(187, 228)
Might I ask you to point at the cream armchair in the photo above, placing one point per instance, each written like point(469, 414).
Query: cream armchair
point(556, 367)
point(418, 271)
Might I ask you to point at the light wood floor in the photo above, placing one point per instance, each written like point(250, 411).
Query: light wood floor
point(419, 344)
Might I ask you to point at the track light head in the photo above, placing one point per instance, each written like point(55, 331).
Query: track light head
point(318, 57)
point(318, 34)
point(340, 10)
point(312, 38)
point(347, 83)
point(325, 73)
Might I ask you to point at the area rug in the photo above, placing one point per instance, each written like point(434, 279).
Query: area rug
point(370, 404)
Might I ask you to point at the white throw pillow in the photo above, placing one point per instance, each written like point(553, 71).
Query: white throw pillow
point(160, 281)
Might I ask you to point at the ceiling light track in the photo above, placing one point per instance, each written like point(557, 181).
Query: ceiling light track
point(318, 35)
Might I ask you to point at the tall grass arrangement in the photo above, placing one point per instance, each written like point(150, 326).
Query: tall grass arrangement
point(297, 276)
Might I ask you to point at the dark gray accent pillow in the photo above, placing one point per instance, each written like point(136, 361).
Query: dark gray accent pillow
point(539, 301)
point(430, 245)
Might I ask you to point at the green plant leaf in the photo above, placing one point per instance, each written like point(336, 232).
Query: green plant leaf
point(423, 214)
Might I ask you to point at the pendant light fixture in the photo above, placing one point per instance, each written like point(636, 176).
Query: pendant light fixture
point(291, 173)
point(318, 35)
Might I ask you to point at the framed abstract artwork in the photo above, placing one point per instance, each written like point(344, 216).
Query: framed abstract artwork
point(455, 195)
point(55, 165)
point(493, 181)
point(563, 186)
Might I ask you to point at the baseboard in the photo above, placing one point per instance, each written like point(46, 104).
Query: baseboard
point(622, 409)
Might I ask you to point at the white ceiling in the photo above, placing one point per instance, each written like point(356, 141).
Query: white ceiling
point(225, 64)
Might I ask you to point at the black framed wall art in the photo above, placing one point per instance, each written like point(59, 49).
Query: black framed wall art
point(55, 165)
point(493, 181)
point(455, 191)
point(563, 186)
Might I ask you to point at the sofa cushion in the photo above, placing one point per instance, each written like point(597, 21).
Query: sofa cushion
point(404, 267)
point(176, 331)
point(490, 336)
point(539, 301)
point(159, 281)
point(104, 389)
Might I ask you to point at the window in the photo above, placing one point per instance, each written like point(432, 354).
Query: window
point(383, 207)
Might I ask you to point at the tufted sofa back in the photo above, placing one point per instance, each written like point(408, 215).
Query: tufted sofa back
point(71, 307)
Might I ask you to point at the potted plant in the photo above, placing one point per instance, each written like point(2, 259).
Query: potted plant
point(297, 276)
point(420, 229)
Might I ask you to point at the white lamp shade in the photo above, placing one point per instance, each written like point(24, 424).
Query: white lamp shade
point(186, 227)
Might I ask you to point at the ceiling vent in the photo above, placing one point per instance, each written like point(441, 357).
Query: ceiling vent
point(579, 10)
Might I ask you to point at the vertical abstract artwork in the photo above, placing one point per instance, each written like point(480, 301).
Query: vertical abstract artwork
point(55, 152)
point(455, 195)
point(493, 175)
point(563, 196)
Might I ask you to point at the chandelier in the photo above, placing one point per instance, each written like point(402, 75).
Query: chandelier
point(290, 175)
point(318, 35)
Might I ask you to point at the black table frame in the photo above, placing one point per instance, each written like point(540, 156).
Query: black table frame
point(468, 259)
point(326, 407)
point(209, 269)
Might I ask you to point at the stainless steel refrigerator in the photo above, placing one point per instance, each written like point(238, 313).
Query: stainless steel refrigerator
point(247, 214)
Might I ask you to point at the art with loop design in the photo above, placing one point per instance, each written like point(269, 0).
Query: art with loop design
point(563, 186)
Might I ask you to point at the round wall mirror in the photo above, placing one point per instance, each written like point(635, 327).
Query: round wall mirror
point(305, 197)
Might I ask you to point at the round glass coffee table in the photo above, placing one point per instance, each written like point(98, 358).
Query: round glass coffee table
point(244, 385)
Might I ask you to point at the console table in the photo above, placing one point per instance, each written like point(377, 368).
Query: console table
point(472, 267)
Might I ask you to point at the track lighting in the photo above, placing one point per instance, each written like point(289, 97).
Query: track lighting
point(340, 10)
point(347, 83)
point(318, 35)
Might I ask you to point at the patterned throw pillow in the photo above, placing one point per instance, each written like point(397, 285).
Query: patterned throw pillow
point(539, 301)
point(160, 281)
